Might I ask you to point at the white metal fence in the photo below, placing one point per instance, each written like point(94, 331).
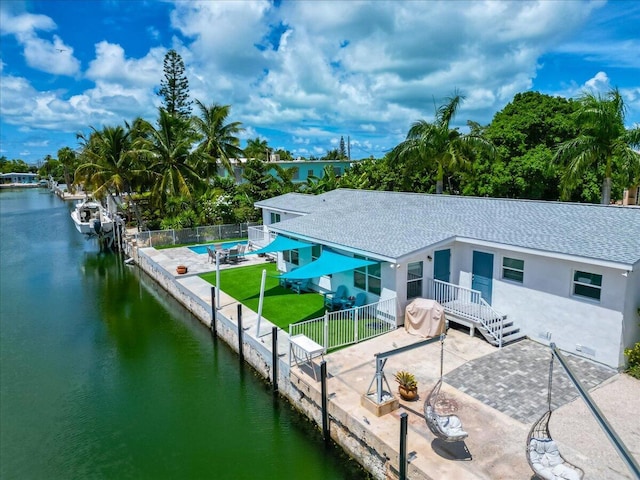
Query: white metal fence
point(259, 236)
point(349, 326)
point(211, 233)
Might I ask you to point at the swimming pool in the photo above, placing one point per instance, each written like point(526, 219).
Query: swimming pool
point(203, 248)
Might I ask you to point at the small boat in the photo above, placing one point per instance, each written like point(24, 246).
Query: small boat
point(91, 218)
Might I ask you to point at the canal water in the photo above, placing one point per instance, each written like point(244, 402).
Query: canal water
point(103, 376)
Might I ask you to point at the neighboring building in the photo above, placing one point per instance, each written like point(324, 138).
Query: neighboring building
point(562, 272)
point(19, 180)
point(306, 168)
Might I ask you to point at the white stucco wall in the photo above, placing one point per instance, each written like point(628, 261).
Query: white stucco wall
point(544, 307)
point(631, 329)
point(266, 215)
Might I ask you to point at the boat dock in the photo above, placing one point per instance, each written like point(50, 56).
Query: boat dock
point(497, 393)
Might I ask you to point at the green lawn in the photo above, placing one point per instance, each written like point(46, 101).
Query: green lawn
point(281, 305)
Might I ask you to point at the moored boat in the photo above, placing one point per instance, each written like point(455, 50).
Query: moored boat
point(91, 218)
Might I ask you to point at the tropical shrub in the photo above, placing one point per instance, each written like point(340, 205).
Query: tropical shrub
point(633, 360)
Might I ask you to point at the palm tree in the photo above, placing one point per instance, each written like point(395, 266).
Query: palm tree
point(67, 159)
point(257, 149)
point(283, 180)
point(436, 142)
point(171, 162)
point(602, 142)
point(219, 141)
point(107, 161)
point(110, 164)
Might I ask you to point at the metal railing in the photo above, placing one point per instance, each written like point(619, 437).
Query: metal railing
point(210, 233)
point(468, 304)
point(259, 236)
point(353, 325)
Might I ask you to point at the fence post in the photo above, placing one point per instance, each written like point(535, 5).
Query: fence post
point(325, 413)
point(173, 231)
point(240, 352)
point(326, 331)
point(274, 358)
point(214, 327)
point(356, 311)
point(402, 461)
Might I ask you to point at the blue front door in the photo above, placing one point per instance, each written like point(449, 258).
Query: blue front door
point(442, 265)
point(482, 274)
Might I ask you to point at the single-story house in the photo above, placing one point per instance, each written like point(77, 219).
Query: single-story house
point(19, 179)
point(556, 272)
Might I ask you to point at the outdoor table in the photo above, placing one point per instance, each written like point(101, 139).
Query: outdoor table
point(308, 348)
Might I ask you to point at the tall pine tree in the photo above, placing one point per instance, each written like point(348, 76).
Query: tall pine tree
point(174, 87)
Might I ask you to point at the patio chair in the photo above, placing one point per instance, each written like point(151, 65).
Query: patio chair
point(233, 254)
point(300, 286)
point(361, 300)
point(242, 248)
point(212, 255)
point(335, 301)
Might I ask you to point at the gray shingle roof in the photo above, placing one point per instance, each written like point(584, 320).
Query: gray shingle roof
point(393, 224)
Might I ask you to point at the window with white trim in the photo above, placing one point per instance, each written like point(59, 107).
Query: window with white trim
point(368, 278)
point(513, 269)
point(275, 217)
point(291, 256)
point(414, 280)
point(588, 285)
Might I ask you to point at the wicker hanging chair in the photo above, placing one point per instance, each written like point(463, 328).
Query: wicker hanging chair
point(445, 427)
point(543, 455)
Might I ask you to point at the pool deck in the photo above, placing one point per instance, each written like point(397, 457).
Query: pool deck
point(498, 394)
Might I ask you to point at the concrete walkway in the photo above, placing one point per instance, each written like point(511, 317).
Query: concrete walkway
point(498, 394)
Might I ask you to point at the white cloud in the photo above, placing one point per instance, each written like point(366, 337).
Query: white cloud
point(51, 56)
point(308, 72)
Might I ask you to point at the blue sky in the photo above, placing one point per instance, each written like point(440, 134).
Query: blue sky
point(302, 74)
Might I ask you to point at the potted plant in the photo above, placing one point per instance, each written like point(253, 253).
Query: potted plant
point(407, 385)
point(181, 269)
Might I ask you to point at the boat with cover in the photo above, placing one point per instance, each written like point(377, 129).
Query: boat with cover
point(91, 218)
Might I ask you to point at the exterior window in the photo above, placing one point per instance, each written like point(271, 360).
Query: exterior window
point(414, 280)
point(310, 173)
point(587, 285)
point(316, 250)
point(337, 171)
point(275, 217)
point(291, 256)
point(296, 174)
point(368, 278)
point(513, 269)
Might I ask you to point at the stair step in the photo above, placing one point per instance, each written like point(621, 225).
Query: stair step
point(508, 339)
point(506, 330)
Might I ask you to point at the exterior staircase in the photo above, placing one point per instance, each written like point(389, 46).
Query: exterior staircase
point(467, 307)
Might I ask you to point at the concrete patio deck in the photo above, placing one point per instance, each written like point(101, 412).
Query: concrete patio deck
point(496, 393)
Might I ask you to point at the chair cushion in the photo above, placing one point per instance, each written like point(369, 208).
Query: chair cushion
point(547, 462)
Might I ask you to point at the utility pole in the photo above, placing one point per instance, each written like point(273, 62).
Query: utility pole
point(349, 147)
